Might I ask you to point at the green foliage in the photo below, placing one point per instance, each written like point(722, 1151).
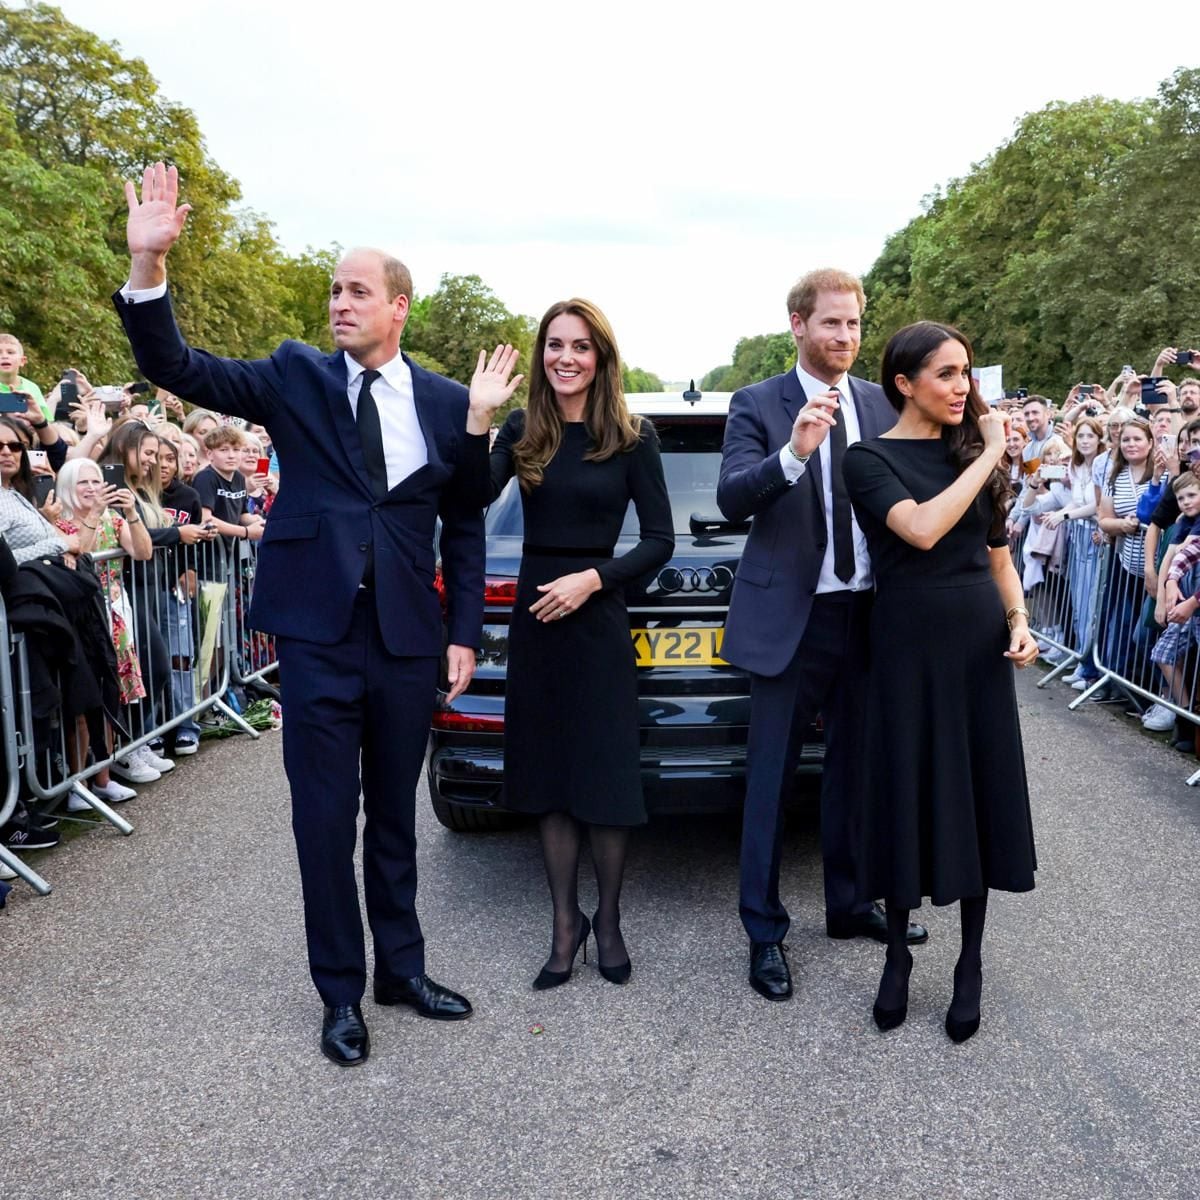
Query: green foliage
point(714, 381)
point(987, 255)
point(754, 358)
point(634, 379)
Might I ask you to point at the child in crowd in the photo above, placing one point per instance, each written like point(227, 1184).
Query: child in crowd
point(1179, 615)
point(12, 359)
point(222, 487)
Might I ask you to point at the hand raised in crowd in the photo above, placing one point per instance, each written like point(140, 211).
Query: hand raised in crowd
point(172, 406)
point(564, 595)
point(97, 422)
point(1166, 358)
point(813, 422)
point(491, 386)
point(52, 509)
point(122, 498)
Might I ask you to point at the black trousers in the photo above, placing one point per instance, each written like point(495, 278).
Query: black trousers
point(826, 676)
point(355, 713)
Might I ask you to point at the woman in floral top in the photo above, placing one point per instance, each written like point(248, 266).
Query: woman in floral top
point(85, 513)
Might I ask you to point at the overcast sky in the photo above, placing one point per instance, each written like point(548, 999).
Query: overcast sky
point(678, 163)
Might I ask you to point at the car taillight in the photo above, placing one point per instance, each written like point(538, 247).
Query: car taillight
point(499, 592)
point(455, 722)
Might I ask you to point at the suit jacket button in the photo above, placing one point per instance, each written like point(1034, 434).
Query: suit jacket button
point(364, 546)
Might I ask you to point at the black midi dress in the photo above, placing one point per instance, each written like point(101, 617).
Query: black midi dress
point(570, 710)
point(945, 801)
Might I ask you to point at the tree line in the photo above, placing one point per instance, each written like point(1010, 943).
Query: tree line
point(1068, 251)
point(77, 118)
point(1072, 249)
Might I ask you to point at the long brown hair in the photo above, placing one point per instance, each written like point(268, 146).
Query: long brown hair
point(125, 447)
point(22, 481)
point(1119, 461)
point(906, 354)
point(610, 425)
point(1097, 428)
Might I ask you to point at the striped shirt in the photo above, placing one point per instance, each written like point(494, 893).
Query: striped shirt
point(1125, 495)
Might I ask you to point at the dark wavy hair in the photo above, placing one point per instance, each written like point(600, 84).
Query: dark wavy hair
point(907, 353)
point(22, 481)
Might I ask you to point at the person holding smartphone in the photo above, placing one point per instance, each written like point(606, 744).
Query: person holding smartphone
point(28, 533)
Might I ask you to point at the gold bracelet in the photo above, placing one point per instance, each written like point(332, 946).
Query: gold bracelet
point(1012, 612)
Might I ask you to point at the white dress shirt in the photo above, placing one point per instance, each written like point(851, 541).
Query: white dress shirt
point(404, 449)
point(793, 470)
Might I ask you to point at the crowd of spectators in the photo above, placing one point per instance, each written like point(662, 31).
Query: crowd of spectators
point(113, 640)
point(1115, 471)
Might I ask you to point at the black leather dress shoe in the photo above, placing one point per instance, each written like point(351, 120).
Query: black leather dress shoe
point(769, 974)
point(428, 998)
point(871, 924)
point(344, 1037)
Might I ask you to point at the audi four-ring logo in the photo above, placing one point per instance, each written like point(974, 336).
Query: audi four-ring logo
point(694, 579)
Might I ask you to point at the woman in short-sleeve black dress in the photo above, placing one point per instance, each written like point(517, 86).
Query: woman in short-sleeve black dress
point(946, 807)
point(571, 751)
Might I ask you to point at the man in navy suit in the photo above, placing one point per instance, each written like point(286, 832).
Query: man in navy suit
point(373, 450)
point(800, 605)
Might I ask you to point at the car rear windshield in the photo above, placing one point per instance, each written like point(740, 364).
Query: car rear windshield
point(691, 454)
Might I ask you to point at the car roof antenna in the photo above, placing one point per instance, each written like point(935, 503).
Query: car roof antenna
point(691, 395)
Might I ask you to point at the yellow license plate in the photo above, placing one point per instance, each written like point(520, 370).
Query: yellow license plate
point(678, 647)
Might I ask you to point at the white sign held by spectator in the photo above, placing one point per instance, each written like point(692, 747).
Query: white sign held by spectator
point(990, 382)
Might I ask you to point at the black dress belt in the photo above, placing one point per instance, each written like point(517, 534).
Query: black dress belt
point(566, 551)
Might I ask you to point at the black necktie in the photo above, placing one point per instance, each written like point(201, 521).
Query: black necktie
point(371, 436)
point(843, 535)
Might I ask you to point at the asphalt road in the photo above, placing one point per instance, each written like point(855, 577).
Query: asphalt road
point(158, 1031)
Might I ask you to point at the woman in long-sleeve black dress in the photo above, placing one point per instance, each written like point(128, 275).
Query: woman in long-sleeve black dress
point(571, 737)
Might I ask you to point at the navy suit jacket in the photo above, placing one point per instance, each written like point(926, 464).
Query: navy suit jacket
point(325, 519)
point(777, 577)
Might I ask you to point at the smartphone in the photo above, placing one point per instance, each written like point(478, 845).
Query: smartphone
point(1022, 393)
point(1150, 392)
point(1183, 358)
point(114, 475)
point(1127, 370)
point(139, 389)
point(1086, 389)
point(1193, 455)
point(68, 388)
point(1054, 474)
point(13, 401)
point(43, 485)
point(37, 458)
point(263, 467)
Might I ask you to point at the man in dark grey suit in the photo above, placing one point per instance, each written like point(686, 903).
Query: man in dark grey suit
point(800, 606)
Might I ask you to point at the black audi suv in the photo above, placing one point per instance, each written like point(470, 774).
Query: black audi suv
point(693, 708)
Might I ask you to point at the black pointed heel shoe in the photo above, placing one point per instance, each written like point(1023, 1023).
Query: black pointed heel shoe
point(615, 974)
point(890, 1018)
point(959, 1029)
point(547, 978)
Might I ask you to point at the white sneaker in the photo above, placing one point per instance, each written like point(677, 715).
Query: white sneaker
point(133, 768)
point(1074, 677)
point(155, 761)
point(186, 743)
point(1055, 655)
point(1158, 718)
point(1082, 685)
point(6, 872)
point(111, 792)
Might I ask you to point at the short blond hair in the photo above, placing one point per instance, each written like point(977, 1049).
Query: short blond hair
point(802, 298)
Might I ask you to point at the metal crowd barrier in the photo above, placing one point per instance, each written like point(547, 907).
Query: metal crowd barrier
point(1091, 612)
point(182, 612)
point(254, 656)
